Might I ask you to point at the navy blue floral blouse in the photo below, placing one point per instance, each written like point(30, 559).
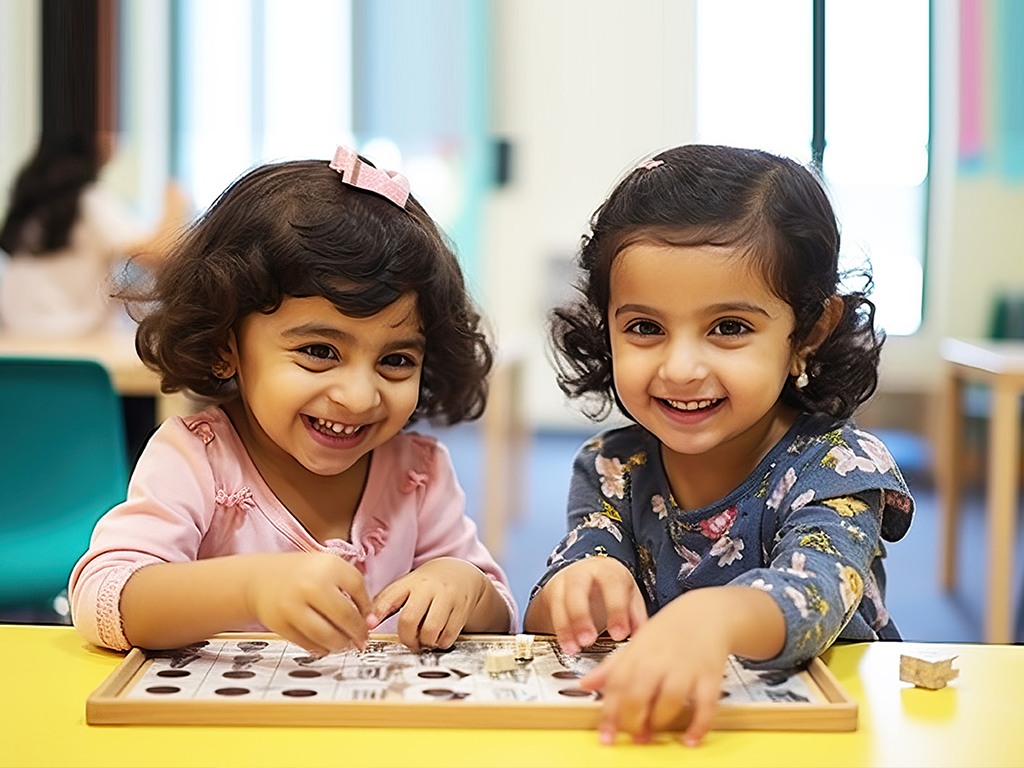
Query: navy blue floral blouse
point(806, 527)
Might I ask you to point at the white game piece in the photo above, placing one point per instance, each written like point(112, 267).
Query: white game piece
point(499, 661)
point(524, 647)
point(927, 672)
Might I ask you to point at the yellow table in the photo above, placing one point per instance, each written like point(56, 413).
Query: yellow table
point(978, 720)
point(1000, 366)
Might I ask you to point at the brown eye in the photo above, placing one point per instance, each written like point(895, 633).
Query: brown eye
point(397, 361)
point(731, 328)
point(318, 351)
point(644, 328)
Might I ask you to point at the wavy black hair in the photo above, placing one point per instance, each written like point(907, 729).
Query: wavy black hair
point(293, 229)
point(44, 199)
point(768, 207)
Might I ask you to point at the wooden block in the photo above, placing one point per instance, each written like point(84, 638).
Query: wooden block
point(499, 661)
point(927, 672)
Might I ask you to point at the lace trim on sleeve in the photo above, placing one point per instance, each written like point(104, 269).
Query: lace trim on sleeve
point(108, 607)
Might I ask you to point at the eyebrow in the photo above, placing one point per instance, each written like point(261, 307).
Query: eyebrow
point(714, 309)
point(417, 342)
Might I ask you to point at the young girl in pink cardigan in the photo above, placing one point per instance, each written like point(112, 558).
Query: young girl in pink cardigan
point(321, 310)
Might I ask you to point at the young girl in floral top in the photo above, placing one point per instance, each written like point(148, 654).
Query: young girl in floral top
point(743, 513)
point(322, 311)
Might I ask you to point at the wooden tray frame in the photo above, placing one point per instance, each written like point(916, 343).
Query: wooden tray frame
point(107, 705)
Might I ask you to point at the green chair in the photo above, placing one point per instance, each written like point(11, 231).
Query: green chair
point(62, 465)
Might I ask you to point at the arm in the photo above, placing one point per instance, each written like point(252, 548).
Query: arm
point(315, 600)
point(143, 582)
point(676, 660)
point(590, 586)
point(584, 599)
point(778, 616)
point(820, 563)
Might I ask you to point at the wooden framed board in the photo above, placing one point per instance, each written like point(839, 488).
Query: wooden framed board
point(261, 679)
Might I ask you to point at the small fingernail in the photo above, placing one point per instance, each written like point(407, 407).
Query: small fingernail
point(606, 737)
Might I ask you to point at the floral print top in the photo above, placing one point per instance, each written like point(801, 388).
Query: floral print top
point(806, 527)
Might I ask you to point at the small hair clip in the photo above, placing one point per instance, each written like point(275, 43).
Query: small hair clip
point(650, 164)
point(390, 184)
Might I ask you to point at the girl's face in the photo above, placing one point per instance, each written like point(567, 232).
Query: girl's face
point(325, 388)
point(700, 349)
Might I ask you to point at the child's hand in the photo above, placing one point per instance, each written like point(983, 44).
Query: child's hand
point(587, 597)
point(316, 600)
point(436, 601)
point(677, 660)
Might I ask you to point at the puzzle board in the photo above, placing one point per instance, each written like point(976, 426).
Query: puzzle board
point(261, 679)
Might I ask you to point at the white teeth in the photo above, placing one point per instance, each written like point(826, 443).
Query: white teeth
point(336, 428)
point(692, 405)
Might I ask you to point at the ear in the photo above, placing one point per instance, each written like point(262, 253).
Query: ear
point(831, 314)
point(230, 352)
point(228, 365)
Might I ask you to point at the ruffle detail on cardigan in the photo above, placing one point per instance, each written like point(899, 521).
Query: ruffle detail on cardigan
point(414, 480)
point(242, 498)
point(202, 430)
point(369, 545)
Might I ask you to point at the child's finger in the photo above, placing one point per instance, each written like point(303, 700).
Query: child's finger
point(436, 627)
point(620, 599)
point(578, 627)
point(341, 613)
point(597, 678)
point(637, 612)
point(705, 704)
point(410, 619)
point(560, 621)
point(314, 633)
point(611, 704)
point(387, 603)
point(634, 699)
point(353, 585)
point(673, 699)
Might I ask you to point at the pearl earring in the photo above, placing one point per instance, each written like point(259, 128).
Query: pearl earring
point(802, 380)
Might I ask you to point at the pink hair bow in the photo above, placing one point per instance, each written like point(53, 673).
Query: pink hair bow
point(390, 184)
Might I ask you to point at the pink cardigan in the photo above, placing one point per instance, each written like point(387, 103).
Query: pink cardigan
point(196, 494)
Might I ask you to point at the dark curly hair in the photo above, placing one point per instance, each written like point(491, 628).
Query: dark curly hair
point(293, 229)
point(44, 200)
point(770, 208)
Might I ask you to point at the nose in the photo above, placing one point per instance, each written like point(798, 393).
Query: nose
point(355, 390)
point(684, 361)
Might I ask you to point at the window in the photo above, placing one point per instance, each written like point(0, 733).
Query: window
point(755, 88)
point(257, 81)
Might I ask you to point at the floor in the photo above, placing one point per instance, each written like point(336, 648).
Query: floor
point(922, 610)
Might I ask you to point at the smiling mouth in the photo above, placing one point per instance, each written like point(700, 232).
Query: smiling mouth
point(335, 428)
point(693, 405)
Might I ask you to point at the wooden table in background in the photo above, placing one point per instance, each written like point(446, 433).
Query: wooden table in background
point(115, 351)
point(974, 721)
point(1000, 366)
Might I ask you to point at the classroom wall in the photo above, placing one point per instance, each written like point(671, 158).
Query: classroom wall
point(20, 76)
point(582, 90)
point(581, 96)
point(581, 108)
